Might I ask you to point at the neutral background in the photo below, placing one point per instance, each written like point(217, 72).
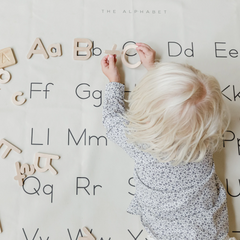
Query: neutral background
point(201, 33)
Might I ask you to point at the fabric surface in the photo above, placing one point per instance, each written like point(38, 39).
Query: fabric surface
point(227, 238)
point(63, 111)
point(185, 202)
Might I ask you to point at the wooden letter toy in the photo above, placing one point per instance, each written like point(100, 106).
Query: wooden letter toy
point(27, 169)
point(1, 228)
point(48, 165)
point(113, 51)
point(9, 148)
point(7, 57)
point(19, 177)
point(82, 49)
point(7, 75)
point(16, 101)
point(33, 50)
point(89, 235)
point(58, 49)
point(123, 57)
point(22, 171)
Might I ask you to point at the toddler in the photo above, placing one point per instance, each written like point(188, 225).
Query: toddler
point(174, 124)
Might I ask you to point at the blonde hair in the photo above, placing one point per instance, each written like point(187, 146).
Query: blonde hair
point(177, 113)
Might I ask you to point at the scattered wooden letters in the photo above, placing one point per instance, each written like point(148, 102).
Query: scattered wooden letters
point(82, 49)
point(7, 57)
point(113, 51)
point(123, 57)
point(9, 148)
point(27, 170)
point(89, 235)
point(48, 165)
point(33, 50)
point(7, 76)
point(85, 50)
point(16, 101)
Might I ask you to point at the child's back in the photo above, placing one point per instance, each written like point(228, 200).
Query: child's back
point(183, 201)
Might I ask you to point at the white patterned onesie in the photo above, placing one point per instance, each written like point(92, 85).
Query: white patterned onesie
point(185, 202)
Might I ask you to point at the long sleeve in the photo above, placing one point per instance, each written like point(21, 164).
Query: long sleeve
point(113, 110)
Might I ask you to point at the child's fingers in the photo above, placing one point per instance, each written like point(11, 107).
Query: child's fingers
point(143, 48)
point(111, 61)
point(105, 58)
point(115, 58)
point(143, 52)
point(104, 61)
point(140, 52)
point(146, 50)
point(140, 44)
point(144, 45)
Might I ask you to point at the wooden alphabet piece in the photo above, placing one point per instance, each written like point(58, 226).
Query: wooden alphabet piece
point(33, 49)
point(7, 76)
point(1, 227)
point(48, 162)
point(7, 57)
point(16, 101)
point(113, 51)
point(89, 235)
point(57, 47)
point(9, 148)
point(27, 169)
point(22, 171)
point(123, 57)
point(82, 49)
point(19, 177)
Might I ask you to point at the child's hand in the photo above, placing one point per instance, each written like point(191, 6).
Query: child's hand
point(110, 69)
point(147, 55)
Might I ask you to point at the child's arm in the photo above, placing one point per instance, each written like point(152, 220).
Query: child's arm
point(110, 69)
point(113, 106)
point(113, 110)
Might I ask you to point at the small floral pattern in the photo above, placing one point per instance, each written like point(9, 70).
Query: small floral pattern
point(184, 202)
